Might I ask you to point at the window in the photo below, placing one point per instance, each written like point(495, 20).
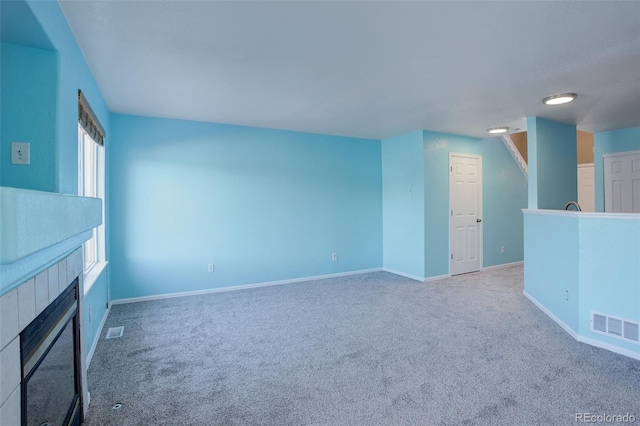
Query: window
point(90, 184)
point(91, 178)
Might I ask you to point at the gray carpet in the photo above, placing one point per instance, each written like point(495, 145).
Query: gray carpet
point(360, 350)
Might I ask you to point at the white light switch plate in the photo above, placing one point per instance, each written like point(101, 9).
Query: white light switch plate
point(20, 153)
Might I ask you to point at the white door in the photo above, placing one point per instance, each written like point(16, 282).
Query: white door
point(586, 188)
point(622, 182)
point(465, 203)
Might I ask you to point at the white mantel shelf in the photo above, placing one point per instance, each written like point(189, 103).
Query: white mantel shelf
point(39, 228)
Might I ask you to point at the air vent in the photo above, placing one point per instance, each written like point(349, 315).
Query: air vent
point(114, 332)
point(631, 331)
point(600, 323)
point(615, 327)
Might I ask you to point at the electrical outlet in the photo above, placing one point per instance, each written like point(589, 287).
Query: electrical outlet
point(502, 249)
point(566, 295)
point(211, 267)
point(20, 153)
point(90, 313)
point(334, 256)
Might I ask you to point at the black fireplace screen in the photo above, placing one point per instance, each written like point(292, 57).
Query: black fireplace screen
point(50, 354)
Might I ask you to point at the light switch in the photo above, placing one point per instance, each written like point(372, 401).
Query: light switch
point(20, 153)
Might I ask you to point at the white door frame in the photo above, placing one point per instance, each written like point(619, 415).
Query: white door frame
point(604, 175)
point(480, 212)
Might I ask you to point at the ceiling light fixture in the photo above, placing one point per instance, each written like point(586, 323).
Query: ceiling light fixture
point(559, 99)
point(496, 130)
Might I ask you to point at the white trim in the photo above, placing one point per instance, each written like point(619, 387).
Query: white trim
point(587, 215)
point(515, 153)
point(609, 347)
point(561, 323)
point(620, 154)
point(96, 338)
point(582, 338)
point(93, 274)
point(402, 274)
point(503, 265)
point(586, 165)
point(239, 287)
point(437, 278)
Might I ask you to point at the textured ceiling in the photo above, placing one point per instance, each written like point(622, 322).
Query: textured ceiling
point(364, 68)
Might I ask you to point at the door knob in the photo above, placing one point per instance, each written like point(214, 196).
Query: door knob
point(478, 220)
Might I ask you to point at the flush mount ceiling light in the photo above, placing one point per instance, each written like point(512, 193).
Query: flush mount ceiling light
point(496, 130)
point(559, 99)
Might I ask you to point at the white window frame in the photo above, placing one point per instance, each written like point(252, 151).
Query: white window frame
point(91, 182)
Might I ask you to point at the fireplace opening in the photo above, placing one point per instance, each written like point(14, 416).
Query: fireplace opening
point(50, 359)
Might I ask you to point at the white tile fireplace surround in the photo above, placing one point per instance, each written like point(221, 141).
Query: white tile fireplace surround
point(18, 308)
point(40, 256)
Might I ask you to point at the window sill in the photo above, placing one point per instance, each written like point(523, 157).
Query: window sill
point(92, 276)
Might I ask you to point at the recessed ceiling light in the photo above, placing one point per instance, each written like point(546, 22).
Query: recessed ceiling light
point(495, 130)
point(559, 99)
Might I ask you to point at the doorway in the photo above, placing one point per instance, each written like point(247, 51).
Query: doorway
point(465, 205)
point(586, 187)
point(622, 182)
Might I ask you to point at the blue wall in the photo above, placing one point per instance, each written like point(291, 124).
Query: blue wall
point(437, 147)
point(410, 233)
point(54, 163)
point(96, 301)
point(403, 204)
point(607, 143)
point(504, 191)
point(73, 74)
point(609, 274)
point(551, 245)
point(504, 196)
point(28, 114)
point(262, 205)
point(552, 155)
point(595, 258)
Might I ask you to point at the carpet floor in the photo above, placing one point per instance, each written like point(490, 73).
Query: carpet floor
point(370, 349)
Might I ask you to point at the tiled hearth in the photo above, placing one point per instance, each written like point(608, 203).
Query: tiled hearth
point(20, 306)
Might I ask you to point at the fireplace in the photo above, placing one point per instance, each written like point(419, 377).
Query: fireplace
point(51, 383)
point(41, 234)
point(40, 323)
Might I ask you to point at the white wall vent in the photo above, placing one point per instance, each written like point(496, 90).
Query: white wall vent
point(114, 332)
point(600, 323)
point(615, 327)
point(631, 331)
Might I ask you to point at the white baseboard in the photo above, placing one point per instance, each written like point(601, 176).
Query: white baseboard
point(402, 274)
point(437, 278)
point(416, 278)
point(609, 347)
point(581, 338)
point(504, 265)
point(96, 338)
point(561, 323)
point(240, 287)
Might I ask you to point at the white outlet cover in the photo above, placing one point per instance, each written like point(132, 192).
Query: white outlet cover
point(20, 153)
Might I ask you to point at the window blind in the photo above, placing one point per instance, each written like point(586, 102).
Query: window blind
point(89, 121)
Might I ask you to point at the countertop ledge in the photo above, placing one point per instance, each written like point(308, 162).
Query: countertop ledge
point(587, 215)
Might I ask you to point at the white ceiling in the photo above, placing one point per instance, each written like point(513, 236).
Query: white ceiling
point(363, 68)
